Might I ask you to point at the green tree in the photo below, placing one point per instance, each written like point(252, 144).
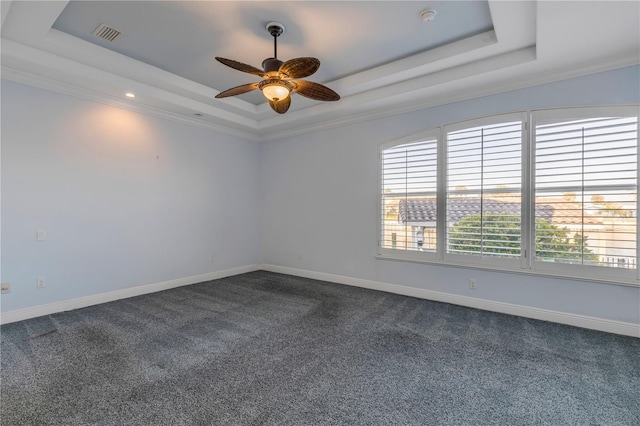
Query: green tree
point(500, 236)
point(553, 242)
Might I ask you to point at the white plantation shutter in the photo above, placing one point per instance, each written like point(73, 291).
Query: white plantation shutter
point(586, 173)
point(484, 184)
point(408, 195)
point(551, 192)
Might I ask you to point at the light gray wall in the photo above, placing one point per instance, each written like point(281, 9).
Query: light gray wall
point(126, 199)
point(319, 205)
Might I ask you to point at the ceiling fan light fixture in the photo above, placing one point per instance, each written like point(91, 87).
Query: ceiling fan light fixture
point(275, 91)
point(280, 78)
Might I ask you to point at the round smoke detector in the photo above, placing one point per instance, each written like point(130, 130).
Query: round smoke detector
point(428, 15)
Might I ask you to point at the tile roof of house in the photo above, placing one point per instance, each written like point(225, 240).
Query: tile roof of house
point(424, 209)
point(569, 213)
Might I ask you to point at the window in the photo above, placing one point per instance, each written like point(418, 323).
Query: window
point(408, 195)
point(586, 180)
point(551, 192)
point(484, 185)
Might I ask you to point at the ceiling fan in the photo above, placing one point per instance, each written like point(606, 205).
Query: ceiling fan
point(280, 78)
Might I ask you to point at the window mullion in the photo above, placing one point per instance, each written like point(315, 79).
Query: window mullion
point(441, 212)
point(527, 219)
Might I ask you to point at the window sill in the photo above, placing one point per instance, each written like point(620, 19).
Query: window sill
point(530, 272)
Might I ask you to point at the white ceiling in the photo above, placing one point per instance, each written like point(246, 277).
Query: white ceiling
point(378, 55)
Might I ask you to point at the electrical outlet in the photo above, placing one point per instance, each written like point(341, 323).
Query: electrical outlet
point(212, 258)
point(41, 235)
point(5, 288)
point(41, 282)
point(472, 284)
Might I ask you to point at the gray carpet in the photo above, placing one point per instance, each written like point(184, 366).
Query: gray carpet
point(264, 348)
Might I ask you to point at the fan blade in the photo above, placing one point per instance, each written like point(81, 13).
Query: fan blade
point(299, 67)
point(238, 90)
point(316, 91)
point(240, 66)
point(281, 106)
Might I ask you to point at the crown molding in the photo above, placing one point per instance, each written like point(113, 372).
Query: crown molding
point(440, 86)
point(23, 77)
point(461, 94)
point(260, 135)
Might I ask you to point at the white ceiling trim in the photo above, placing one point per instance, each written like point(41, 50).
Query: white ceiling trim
point(57, 86)
point(507, 58)
point(4, 10)
point(449, 93)
point(53, 67)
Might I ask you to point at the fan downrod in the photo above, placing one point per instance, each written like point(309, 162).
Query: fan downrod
point(273, 64)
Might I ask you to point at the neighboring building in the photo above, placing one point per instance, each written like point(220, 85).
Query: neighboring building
point(410, 223)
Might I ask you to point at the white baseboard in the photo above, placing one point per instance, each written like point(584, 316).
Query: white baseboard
point(593, 323)
point(82, 302)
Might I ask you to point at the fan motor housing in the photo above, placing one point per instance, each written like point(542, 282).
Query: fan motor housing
point(271, 64)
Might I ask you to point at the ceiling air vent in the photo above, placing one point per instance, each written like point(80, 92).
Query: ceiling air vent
point(105, 32)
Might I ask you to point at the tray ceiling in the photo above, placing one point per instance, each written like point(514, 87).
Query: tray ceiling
point(379, 55)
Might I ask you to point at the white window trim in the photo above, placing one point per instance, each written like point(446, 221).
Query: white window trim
point(493, 262)
point(603, 273)
point(526, 264)
point(406, 254)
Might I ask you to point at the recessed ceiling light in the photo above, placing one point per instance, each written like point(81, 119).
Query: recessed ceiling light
point(130, 95)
